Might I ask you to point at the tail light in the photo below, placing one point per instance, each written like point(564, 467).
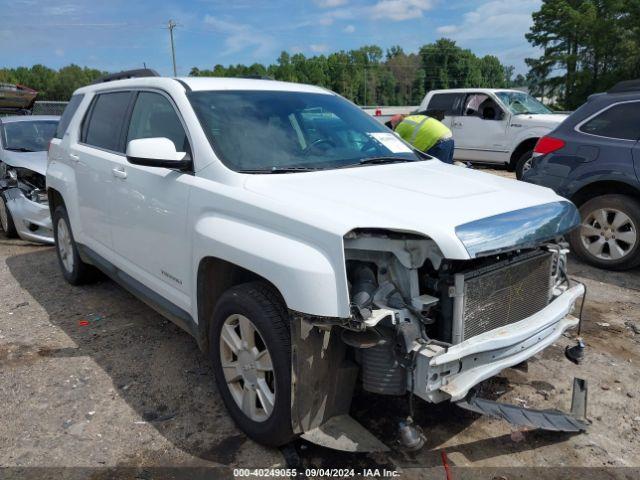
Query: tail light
point(548, 145)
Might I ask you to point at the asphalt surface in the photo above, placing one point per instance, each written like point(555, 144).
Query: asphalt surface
point(92, 381)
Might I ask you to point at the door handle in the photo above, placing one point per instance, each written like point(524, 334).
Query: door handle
point(74, 157)
point(457, 124)
point(119, 172)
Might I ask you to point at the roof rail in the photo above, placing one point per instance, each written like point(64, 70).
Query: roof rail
point(626, 86)
point(139, 73)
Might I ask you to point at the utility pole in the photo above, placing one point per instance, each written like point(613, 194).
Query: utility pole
point(365, 86)
point(172, 25)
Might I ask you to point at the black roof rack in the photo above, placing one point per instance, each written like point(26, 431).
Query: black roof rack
point(626, 86)
point(139, 73)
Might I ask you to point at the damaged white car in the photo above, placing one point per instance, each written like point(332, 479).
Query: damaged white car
point(24, 211)
point(306, 248)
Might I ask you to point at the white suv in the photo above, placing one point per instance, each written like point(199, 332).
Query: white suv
point(299, 242)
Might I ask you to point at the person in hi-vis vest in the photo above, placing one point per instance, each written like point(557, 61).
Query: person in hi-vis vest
point(426, 134)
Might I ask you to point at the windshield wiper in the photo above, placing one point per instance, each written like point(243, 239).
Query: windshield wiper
point(376, 161)
point(19, 149)
point(281, 170)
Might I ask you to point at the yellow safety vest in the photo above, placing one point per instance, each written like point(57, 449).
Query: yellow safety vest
point(422, 132)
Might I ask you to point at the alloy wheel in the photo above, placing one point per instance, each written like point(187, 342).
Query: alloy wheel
point(608, 234)
point(247, 367)
point(65, 247)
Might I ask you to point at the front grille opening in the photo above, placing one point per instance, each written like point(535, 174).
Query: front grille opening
point(496, 292)
point(495, 298)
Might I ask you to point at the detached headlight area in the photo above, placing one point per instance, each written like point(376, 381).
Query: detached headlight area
point(26, 204)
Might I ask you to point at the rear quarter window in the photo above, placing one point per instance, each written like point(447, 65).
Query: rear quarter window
point(618, 121)
point(67, 115)
point(103, 126)
point(448, 103)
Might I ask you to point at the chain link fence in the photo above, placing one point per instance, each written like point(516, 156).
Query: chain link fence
point(48, 108)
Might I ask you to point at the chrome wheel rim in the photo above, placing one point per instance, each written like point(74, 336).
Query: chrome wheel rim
point(608, 234)
point(526, 166)
point(65, 248)
point(247, 367)
point(4, 219)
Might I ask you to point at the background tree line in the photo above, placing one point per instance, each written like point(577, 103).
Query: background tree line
point(366, 75)
point(370, 76)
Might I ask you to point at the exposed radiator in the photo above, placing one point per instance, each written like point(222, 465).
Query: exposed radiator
point(499, 295)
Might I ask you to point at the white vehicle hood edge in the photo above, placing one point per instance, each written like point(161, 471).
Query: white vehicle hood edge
point(34, 161)
point(428, 198)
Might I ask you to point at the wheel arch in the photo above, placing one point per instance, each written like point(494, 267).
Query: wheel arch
point(55, 199)
point(523, 146)
point(604, 187)
point(215, 276)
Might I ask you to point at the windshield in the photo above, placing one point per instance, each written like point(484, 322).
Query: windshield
point(521, 103)
point(269, 131)
point(28, 136)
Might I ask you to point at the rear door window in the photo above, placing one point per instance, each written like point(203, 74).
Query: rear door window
point(619, 121)
point(447, 103)
point(67, 115)
point(103, 128)
point(154, 116)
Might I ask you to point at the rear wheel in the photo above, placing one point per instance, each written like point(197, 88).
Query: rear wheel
point(251, 354)
point(524, 163)
point(74, 270)
point(6, 220)
point(609, 235)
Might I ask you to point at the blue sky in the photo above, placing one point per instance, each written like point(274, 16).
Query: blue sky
point(121, 34)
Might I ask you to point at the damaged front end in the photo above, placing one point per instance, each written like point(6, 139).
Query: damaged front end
point(432, 327)
point(25, 205)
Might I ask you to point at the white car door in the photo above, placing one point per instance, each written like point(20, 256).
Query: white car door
point(100, 144)
point(149, 206)
point(480, 130)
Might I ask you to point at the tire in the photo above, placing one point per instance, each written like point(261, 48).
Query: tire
point(521, 164)
point(614, 245)
point(74, 270)
point(261, 306)
point(6, 220)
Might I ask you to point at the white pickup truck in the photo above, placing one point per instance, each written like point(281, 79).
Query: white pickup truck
point(492, 125)
point(300, 243)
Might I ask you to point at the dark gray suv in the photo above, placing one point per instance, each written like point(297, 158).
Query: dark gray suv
point(593, 159)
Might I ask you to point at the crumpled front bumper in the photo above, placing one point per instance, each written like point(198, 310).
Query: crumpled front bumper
point(32, 219)
point(449, 374)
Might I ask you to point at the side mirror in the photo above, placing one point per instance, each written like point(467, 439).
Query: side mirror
point(157, 152)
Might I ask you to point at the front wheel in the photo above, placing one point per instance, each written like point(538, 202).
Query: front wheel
point(609, 235)
point(524, 163)
point(74, 270)
point(250, 348)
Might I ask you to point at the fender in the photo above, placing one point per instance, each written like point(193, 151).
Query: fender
point(62, 178)
point(304, 274)
point(526, 134)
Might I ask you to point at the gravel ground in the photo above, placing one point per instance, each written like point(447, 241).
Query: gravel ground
point(90, 377)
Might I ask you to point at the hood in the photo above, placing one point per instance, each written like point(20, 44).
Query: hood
point(35, 161)
point(428, 198)
point(543, 120)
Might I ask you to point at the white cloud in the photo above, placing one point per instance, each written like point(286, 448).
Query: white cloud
point(329, 17)
point(504, 19)
point(318, 47)
point(241, 36)
point(330, 3)
point(447, 29)
point(59, 52)
point(349, 29)
point(399, 10)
